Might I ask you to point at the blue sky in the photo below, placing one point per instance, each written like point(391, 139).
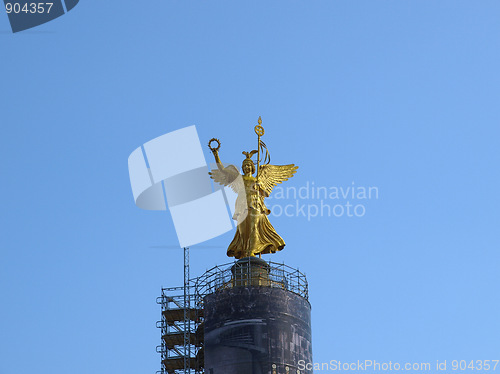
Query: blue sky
point(401, 95)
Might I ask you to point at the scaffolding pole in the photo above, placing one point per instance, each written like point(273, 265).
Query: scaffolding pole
point(187, 320)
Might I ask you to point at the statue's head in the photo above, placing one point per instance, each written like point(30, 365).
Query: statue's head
point(248, 165)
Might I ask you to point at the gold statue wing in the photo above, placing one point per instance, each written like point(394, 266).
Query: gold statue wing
point(271, 175)
point(228, 176)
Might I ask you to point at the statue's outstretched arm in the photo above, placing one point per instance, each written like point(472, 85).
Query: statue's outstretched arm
point(215, 152)
point(217, 159)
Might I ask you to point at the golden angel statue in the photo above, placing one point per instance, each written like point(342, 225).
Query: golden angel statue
point(254, 233)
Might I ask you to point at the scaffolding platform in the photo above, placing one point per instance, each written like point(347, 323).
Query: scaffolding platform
point(175, 315)
point(174, 365)
point(177, 338)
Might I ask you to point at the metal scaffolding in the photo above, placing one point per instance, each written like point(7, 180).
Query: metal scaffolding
point(181, 327)
point(242, 273)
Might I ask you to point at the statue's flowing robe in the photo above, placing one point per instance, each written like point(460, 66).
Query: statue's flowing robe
point(254, 233)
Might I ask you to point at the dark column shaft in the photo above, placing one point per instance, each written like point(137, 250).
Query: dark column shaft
point(256, 330)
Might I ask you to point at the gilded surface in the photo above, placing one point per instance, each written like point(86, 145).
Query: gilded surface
point(254, 233)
